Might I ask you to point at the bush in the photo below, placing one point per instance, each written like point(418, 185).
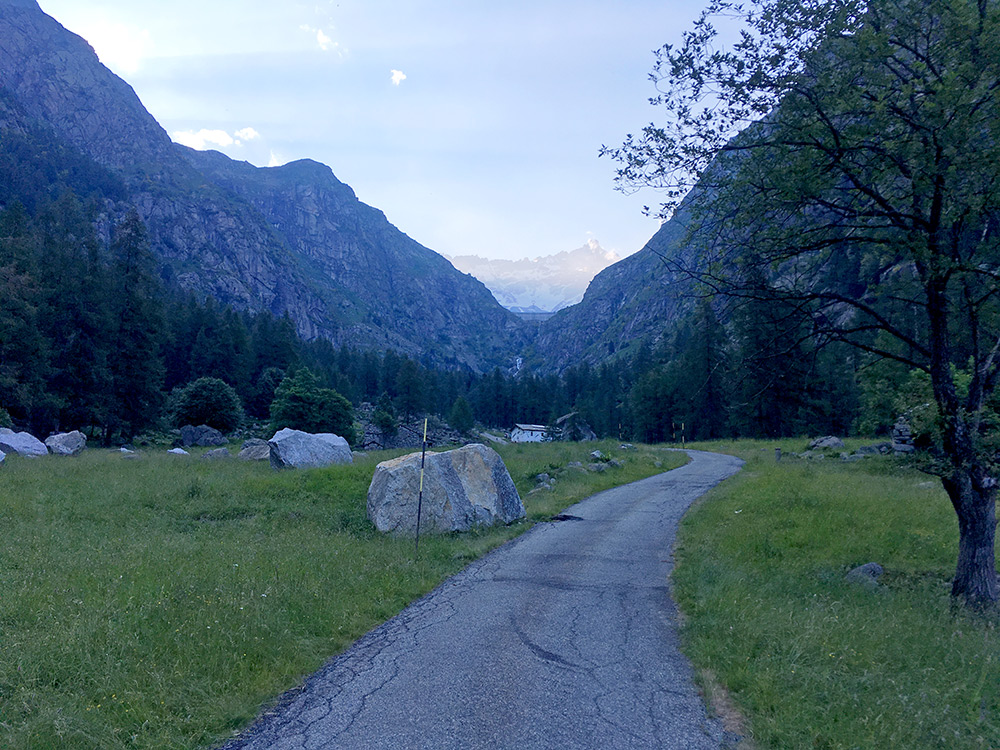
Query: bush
point(208, 401)
point(301, 404)
point(5, 420)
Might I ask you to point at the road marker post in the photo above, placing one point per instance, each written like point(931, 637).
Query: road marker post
point(420, 495)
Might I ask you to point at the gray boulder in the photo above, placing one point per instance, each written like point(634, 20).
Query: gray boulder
point(66, 443)
point(826, 443)
point(2, 456)
point(867, 574)
point(21, 443)
point(463, 488)
point(202, 436)
point(219, 454)
point(294, 449)
point(178, 452)
point(255, 449)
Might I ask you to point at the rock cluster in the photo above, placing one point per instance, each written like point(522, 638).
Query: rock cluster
point(902, 437)
point(462, 489)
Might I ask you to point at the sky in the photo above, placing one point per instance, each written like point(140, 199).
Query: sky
point(474, 126)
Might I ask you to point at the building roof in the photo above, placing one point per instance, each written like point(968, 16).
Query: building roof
point(532, 427)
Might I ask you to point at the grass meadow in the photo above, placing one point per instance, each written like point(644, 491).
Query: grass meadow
point(811, 660)
point(161, 602)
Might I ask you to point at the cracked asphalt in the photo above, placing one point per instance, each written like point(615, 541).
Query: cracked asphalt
point(564, 638)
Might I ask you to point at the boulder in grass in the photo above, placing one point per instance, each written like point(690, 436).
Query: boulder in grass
point(219, 454)
point(255, 449)
point(463, 489)
point(21, 443)
point(178, 452)
point(202, 436)
point(829, 442)
point(66, 443)
point(294, 449)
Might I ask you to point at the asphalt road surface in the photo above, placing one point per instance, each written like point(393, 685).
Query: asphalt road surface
point(564, 638)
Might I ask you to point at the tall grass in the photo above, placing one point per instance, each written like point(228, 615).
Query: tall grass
point(813, 660)
point(159, 602)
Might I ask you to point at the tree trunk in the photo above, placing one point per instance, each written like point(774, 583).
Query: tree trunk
point(975, 503)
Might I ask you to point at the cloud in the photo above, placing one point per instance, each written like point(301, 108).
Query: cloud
point(397, 77)
point(205, 138)
point(202, 139)
point(274, 161)
point(323, 39)
point(246, 134)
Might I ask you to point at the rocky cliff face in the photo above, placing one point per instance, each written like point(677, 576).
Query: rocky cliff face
point(291, 239)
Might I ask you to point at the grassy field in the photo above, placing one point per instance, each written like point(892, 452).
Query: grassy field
point(812, 660)
point(159, 602)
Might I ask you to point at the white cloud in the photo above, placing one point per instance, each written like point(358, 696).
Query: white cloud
point(397, 77)
point(203, 139)
point(323, 39)
point(274, 161)
point(246, 134)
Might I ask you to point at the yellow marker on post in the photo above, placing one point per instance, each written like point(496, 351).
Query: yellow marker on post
point(420, 494)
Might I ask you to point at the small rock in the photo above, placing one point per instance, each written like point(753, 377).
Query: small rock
point(255, 449)
point(597, 467)
point(543, 478)
point(597, 455)
point(616, 463)
point(178, 452)
point(219, 454)
point(123, 449)
point(626, 447)
point(658, 464)
point(866, 574)
point(826, 443)
point(2, 456)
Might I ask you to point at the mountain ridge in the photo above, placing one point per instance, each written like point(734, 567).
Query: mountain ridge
point(236, 232)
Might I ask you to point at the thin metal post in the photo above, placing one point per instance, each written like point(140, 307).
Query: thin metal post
point(420, 495)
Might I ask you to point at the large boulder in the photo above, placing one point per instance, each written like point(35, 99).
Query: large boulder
point(463, 488)
point(66, 443)
point(202, 436)
point(21, 443)
point(294, 449)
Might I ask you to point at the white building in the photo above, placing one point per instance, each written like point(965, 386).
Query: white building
point(529, 433)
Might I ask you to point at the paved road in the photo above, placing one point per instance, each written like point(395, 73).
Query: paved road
point(564, 638)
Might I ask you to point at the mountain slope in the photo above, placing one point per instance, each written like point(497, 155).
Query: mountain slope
point(636, 300)
point(291, 239)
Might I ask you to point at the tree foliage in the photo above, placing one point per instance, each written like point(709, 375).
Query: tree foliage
point(302, 404)
point(208, 401)
point(848, 158)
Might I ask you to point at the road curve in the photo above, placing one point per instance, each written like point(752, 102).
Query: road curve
point(564, 638)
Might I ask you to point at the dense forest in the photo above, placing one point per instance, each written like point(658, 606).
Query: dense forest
point(91, 338)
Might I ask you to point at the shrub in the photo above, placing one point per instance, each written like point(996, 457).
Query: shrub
point(5, 420)
point(301, 404)
point(208, 401)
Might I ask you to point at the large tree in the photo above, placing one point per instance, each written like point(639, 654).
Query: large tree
point(847, 160)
